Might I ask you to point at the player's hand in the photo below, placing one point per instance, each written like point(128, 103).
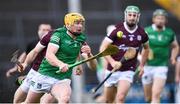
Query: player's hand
point(22, 68)
point(116, 65)
point(173, 61)
point(11, 71)
point(141, 70)
point(63, 67)
point(8, 74)
point(86, 49)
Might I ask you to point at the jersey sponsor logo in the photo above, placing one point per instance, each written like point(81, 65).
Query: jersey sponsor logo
point(151, 36)
point(55, 38)
point(160, 37)
point(139, 38)
point(74, 43)
point(68, 42)
point(129, 77)
point(124, 36)
point(124, 47)
point(131, 37)
point(39, 86)
point(32, 83)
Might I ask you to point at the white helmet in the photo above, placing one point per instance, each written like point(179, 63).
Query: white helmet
point(134, 9)
point(160, 12)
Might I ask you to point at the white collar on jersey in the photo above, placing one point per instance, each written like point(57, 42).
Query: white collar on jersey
point(130, 31)
point(155, 28)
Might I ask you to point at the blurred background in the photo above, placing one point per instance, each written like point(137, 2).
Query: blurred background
point(19, 20)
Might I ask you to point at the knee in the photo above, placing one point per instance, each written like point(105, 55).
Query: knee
point(64, 99)
point(45, 100)
point(18, 98)
point(120, 98)
point(156, 95)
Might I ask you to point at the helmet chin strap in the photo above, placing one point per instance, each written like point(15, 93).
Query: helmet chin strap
point(74, 33)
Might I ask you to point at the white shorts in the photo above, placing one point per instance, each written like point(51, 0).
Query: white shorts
point(151, 72)
point(116, 76)
point(43, 84)
point(177, 93)
point(27, 81)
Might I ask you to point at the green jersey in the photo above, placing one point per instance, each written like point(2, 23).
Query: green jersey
point(160, 42)
point(68, 51)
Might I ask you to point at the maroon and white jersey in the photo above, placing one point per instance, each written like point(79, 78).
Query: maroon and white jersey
point(44, 42)
point(124, 38)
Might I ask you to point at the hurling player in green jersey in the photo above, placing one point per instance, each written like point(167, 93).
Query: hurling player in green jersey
point(161, 40)
point(64, 47)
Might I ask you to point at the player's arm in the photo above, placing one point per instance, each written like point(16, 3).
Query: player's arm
point(52, 59)
point(105, 43)
point(144, 55)
point(177, 72)
point(103, 46)
point(174, 51)
point(32, 54)
point(145, 52)
point(15, 68)
point(22, 57)
point(86, 53)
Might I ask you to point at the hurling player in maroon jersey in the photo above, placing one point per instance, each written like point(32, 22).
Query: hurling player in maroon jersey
point(34, 62)
point(125, 35)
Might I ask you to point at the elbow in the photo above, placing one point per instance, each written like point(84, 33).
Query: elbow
point(35, 52)
point(177, 48)
point(147, 50)
point(48, 57)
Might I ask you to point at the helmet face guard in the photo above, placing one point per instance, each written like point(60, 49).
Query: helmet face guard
point(132, 9)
